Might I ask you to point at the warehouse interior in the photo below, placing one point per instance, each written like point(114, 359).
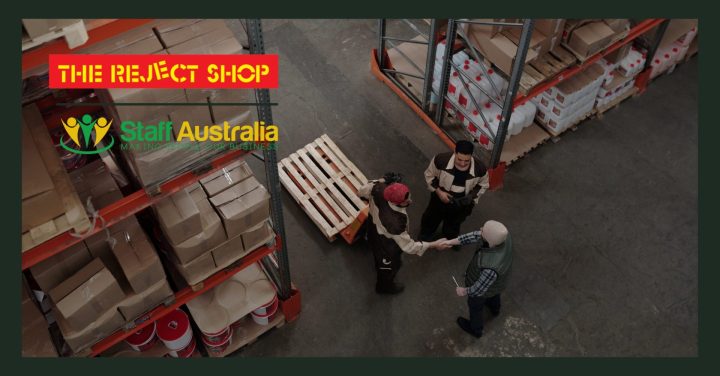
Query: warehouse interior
point(603, 217)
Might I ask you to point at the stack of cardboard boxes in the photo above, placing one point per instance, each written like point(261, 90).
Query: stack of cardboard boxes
point(50, 204)
point(586, 37)
point(154, 161)
point(498, 44)
point(212, 224)
point(563, 105)
point(109, 279)
point(675, 44)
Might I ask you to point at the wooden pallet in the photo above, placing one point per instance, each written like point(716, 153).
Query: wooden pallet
point(75, 217)
point(521, 144)
point(246, 334)
point(615, 102)
point(325, 184)
point(544, 68)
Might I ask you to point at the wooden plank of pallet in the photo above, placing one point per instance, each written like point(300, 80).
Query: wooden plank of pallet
point(563, 55)
point(343, 186)
point(336, 165)
point(304, 202)
point(75, 217)
point(521, 144)
point(328, 183)
point(341, 218)
point(336, 150)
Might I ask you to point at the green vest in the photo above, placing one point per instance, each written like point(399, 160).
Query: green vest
point(499, 259)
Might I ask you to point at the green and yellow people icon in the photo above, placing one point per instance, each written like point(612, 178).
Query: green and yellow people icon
point(86, 124)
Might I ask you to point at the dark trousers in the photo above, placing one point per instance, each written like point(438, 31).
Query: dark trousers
point(451, 216)
point(476, 305)
point(388, 258)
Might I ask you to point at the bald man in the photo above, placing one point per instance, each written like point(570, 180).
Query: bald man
point(487, 273)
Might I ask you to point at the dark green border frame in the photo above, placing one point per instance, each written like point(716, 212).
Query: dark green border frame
point(10, 154)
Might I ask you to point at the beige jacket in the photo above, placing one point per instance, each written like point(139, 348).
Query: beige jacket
point(439, 174)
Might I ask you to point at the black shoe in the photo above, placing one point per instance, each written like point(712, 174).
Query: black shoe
point(464, 324)
point(396, 288)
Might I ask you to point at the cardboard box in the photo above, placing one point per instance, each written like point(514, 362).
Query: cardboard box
point(241, 212)
point(257, 236)
point(51, 272)
point(616, 56)
point(234, 115)
point(175, 32)
point(212, 235)
point(499, 49)
point(226, 177)
point(39, 27)
point(101, 327)
point(226, 253)
point(36, 341)
point(135, 304)
point(140, 40)
point(179, 217)
point(197, 269)
point(99, 247)
point(538, 40)
point(195, 115)
point(94, 181)
point(145, 114)
point(138, 259)
point(216, 42)
point(550, 26)
point(590, 38)
point(40, 201)
point(618, 25)
point(87, 294)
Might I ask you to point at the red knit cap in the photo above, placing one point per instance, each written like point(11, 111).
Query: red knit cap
point(396, 193)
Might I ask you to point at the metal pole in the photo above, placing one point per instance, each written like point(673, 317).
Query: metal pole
point(445, 76)
point(429, 67)
point(271, 169)
point(518, 65)
point(656, 43)
point(381, 46)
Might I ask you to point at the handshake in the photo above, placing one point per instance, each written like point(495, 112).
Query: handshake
point(443, 244)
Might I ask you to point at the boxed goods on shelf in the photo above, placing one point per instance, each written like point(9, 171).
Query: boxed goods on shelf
point(86, 295)
point(588, 37)
point(137, 258)
point(498, 49)
point(51, 272)
point(84, 337)
point(212, 232)
point(50, 204)
point(36, 341)
point(232, 206)
point(569, 101)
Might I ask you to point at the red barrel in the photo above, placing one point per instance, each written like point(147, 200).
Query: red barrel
point(217, 338)
point(187, 352)
point(175, 331)
point(265, 308)
point(144, 339)
point(220, 347)
point(266, 318)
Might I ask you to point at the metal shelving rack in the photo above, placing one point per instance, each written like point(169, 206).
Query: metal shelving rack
point(279, 271)
point(434, 118)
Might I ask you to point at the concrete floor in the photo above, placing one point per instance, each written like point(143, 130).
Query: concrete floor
point(604, 222)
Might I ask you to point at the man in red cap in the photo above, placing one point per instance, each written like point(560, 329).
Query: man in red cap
point(387, 232)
